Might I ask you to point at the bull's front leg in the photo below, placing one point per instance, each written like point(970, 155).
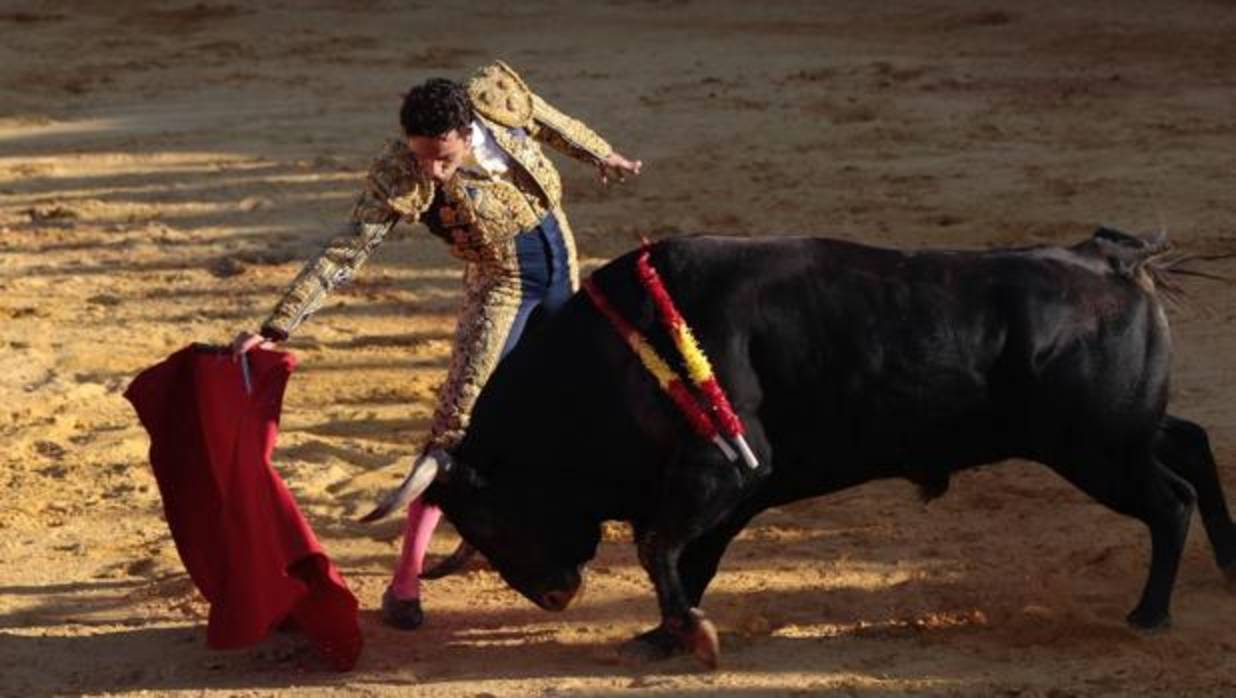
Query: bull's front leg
point(699, 511)
point(697, 564)
point(684, 627)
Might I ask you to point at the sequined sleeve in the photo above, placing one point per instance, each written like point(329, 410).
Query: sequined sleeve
point(566, 134)
point(393, 190)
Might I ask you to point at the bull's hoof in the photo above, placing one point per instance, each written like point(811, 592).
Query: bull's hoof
point(694, 634)
point(702, 638)
point(653, 646)
point(1150, 622)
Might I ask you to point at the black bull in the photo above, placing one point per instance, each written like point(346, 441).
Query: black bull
point(846, 363)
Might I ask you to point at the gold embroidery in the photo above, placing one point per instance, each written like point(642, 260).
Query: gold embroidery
point(393, 188)
point(500, 95)
point(528, 155)
point(334, 266)
point(568, 241)
point(490, 212)
point(484, 326)
point(567, 135)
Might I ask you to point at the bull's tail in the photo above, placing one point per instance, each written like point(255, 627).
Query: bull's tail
point(1152, 262)
point(1129, 254)
point(1161, 269)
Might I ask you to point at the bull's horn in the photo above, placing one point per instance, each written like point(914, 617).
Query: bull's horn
point(424, 470)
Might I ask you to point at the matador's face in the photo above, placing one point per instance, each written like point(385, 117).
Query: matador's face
point(440, 156)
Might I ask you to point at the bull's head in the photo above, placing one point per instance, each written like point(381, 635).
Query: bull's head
point(540, 551)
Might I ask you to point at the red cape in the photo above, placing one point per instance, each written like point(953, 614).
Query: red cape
point(236, 526)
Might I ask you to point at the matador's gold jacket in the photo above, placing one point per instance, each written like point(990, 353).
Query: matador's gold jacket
point(478, 215)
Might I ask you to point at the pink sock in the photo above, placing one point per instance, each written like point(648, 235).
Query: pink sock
point(422, 520)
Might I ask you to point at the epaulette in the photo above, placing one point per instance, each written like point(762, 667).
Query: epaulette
point(500, 95)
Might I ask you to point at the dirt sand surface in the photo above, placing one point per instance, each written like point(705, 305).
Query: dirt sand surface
point(164, 166)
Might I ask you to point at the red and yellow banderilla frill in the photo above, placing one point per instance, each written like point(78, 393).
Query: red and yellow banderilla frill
point(698, 367)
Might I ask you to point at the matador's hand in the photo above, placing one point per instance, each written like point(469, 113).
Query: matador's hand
point(248, 340)
point(618, 165)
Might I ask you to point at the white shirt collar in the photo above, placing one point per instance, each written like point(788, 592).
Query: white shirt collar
point(486, 152)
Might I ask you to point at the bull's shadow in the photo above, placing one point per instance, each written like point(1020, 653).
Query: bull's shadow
point(172, 659)
point(457, 646)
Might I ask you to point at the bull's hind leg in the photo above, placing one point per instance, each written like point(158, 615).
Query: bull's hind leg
point(1149, 492)
point(1166, 509)
point(1184, 447)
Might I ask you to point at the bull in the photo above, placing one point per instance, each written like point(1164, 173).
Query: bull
point(846, 363)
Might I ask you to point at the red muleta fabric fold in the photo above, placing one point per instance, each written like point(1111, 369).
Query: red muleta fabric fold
point(236, 526)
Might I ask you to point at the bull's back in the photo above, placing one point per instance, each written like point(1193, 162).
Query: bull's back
point(870, 360)
point(857, 362)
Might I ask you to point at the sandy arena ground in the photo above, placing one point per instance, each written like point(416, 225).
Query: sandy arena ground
point(164, 167)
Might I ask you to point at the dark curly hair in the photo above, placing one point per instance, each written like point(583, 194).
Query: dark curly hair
point(435, 107)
